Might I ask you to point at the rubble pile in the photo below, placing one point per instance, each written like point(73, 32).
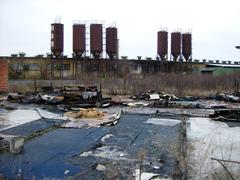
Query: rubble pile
point(232, 115)
point(80, 94)
point(67, 96)
point(153, 95)
point(90, 118)
point(72, 98)
point(227, 97)
point(163, 100)
point(11, 143)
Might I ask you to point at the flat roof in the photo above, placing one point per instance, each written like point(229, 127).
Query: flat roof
point(224, 65)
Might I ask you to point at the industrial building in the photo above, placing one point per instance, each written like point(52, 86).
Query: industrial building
point(40, 67)
point(106, 40)
point(181, 47)
point(91, 41)
point(220, 69)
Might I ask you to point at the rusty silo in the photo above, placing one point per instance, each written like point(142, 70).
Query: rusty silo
point(162, 44)
point(57, 39)
point(187, 45)
point(79, 39)
point(175, 45)
point(3, 75)
point(96, 40)
point(111, 42)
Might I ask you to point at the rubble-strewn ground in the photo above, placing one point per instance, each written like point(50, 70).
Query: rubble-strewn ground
point(138, 140)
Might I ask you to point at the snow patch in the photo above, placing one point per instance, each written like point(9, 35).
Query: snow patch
point(163, 122)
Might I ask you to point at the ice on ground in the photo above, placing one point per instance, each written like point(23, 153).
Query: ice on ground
point(214, 139)
point(107, 152)
point(148, 176)
point(22, 116)
point(107, 136)
point(163, 121)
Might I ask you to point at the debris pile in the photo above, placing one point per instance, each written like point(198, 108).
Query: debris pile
point(80, 94)
point(231, 115)
point(90, 118)
point(67, 96)
point(73, 98)
point(38, 98)
point(189, 98)
point(11, 143)
point(227, 97)
point(153, 95)
point(15, 96)
point(164, 100)
point(5, 105)
point(52, 99)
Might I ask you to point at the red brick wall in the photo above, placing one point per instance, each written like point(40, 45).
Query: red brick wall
point(3, 75)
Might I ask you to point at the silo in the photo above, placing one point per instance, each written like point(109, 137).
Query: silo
point(3, 75)
point(162, 44)
point(96, 40)
point(187, 45)
point(111, 42)
point(57, 39)
point(79, 39)
point(175, 45)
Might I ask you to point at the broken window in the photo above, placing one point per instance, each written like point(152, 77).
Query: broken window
point(66, 67)
point(17, 67)
point(33, 67)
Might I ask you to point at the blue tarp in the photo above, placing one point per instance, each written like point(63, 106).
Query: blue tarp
point(61, 150)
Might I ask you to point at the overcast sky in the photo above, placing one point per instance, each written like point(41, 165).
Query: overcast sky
point(215, 24)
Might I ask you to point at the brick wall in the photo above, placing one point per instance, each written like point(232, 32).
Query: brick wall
point(3, 75)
